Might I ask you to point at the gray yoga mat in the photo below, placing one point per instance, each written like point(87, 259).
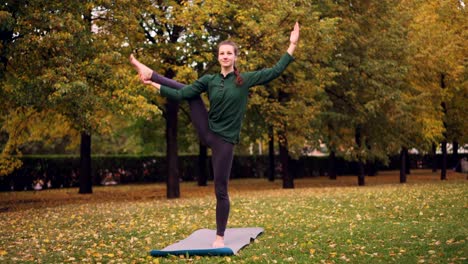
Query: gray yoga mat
point(199, 242)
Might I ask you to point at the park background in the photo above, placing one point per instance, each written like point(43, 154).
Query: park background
point(372, 81)
point(377, 88)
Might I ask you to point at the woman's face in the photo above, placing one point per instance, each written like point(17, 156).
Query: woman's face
point(226, 56)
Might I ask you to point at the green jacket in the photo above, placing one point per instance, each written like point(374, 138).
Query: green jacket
point(228, 101)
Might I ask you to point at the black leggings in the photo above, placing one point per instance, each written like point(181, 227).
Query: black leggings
point(222, 152)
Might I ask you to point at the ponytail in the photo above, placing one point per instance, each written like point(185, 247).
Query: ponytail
point(239, 80)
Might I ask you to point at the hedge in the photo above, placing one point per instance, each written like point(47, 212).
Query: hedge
point(63, 171)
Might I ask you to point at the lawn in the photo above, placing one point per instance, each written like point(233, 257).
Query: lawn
point(320, 221)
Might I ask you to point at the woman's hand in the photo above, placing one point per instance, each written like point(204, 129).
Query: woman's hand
point(156, 85)
point(294, 38)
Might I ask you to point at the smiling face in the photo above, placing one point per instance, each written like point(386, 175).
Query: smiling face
point(227, 56)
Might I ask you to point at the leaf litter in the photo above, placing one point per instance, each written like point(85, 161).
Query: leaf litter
point(316, 222)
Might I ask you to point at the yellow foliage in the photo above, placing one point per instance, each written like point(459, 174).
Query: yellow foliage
point(25, 125)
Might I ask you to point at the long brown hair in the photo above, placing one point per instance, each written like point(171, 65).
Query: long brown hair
point(239, 79)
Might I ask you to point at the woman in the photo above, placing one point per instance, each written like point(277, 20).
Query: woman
point(220, 127)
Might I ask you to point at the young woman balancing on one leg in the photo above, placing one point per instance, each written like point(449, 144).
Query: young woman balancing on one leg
point(219, 128)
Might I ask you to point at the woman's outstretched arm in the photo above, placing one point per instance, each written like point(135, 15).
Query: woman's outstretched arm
point(266, 75)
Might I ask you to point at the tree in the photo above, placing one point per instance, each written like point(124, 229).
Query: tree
point(437, 37)
point(63, 61)
point(16, 111)
point(8, 13)
point(359, 123)
point(291, 103)
point(182, 35)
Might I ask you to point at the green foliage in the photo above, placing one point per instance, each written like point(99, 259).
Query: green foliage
point(66, 62)
point(374, 107)
point(291, 103)
point(373, 66)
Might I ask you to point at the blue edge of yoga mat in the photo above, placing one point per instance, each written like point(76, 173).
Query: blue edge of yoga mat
point(194, 252)
point(198, 243)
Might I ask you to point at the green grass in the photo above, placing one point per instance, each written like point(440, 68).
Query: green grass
point(321, 221)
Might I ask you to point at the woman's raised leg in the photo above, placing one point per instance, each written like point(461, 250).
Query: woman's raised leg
point(198, 112)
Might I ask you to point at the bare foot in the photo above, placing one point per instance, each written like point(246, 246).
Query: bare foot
point(219, 242)
point(143, 71)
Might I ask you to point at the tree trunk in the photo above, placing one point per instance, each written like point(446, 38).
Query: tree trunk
point(271, 154)
point(407, 162)
point(173, 190)
point(403, 154)
point(86, 181)
point(202, 164)
point(371, 168)
point(362, 175)
point(434, 157)
point(332, 165)
point(443, 169)
point(455, 158)
point(358, 140)
point(288, 181)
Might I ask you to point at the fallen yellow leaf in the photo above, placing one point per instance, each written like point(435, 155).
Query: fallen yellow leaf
point(450, 241)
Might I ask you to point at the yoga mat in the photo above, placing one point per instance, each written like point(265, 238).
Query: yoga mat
point(199, 243)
